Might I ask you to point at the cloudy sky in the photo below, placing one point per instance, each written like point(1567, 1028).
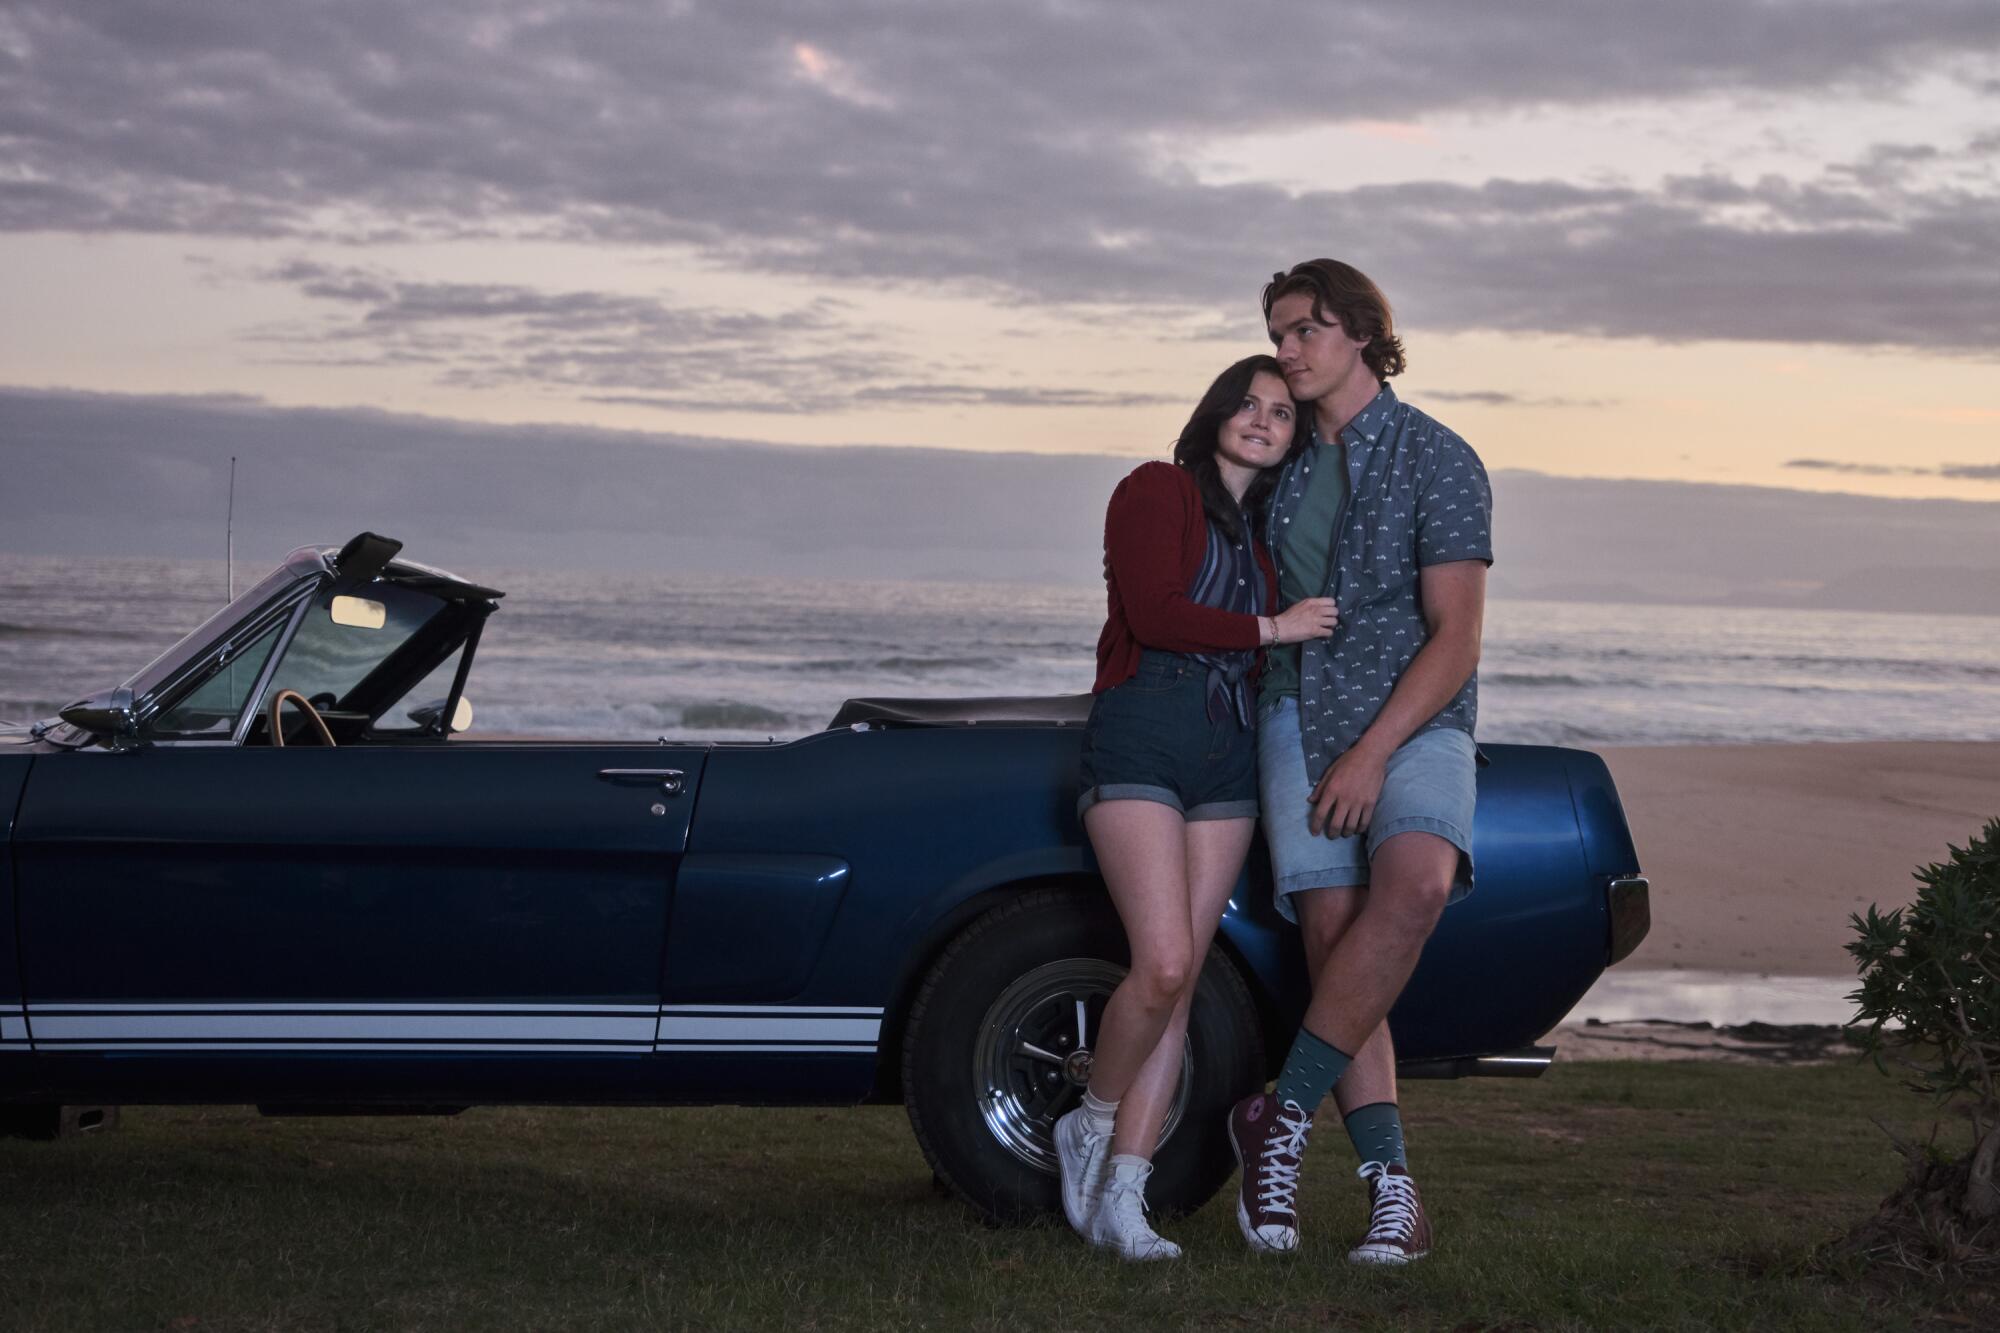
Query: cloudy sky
point(1707, 241)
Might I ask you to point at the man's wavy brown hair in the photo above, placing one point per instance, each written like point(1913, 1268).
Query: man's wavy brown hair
point(1342, 294)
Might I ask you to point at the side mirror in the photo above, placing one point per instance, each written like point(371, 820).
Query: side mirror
point(427, 715)
point(107, 716)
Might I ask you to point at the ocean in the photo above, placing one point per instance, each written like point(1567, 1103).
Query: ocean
point(638, 656)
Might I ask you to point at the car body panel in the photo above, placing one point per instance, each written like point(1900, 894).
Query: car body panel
point(412, 919)
point(786, 901)
point(1509, 960)
point(1607, 838)
point(295, 904)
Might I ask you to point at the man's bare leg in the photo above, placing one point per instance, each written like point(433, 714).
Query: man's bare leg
point(1367, 967)
point(1361, 947)
point(1355, 984)
point(1324, 917)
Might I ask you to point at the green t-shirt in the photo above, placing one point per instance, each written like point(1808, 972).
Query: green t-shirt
point(1305, 556)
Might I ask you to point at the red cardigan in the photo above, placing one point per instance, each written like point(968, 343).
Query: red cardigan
point(1155, 536)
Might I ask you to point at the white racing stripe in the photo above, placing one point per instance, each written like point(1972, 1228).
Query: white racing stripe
point(794, 1048)
point(675, 1028)
point(336, 1007)
point(459, 1026)
point(62, 1029)
point(480, 1048)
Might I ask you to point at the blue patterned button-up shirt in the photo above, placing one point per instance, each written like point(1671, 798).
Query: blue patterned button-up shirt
point(1417, 496)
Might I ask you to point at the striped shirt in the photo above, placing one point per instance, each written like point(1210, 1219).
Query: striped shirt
point(1229, 580)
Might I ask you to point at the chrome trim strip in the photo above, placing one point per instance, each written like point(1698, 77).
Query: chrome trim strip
point(1528, 1062)
point(1520, 1064)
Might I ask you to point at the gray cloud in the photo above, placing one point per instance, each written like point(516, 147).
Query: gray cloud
point(1501, 398)
point(972, 395)
point(622, 348)
point(490, 498)
point(1959, 471)
point(1855, 469)
point(1007, 147)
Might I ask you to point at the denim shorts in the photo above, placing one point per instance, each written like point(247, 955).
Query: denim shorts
point(1430, 787)
point(1149, 739)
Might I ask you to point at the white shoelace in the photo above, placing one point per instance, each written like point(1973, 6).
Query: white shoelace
point(1128, 1206)
point(1395, 1212)
point(1126, 1203)
point(1277, 1179)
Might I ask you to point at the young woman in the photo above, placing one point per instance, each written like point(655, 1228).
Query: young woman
point(1169, 766)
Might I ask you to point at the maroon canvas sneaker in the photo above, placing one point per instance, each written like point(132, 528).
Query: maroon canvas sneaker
point(1398, 1230)
point(1268, 1138)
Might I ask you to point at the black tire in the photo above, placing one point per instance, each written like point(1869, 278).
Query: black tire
point(1057, 944)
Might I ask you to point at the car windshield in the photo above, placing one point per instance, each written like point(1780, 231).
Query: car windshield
point(194, 641)
point(212, 707)
point(330, 654)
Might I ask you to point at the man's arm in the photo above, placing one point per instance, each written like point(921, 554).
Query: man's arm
point(1453, 595)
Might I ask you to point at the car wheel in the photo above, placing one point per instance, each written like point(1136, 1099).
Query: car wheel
point(998, 1044)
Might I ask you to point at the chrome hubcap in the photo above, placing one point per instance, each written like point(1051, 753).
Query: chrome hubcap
point(1033, 1056)
point(1077, 1069)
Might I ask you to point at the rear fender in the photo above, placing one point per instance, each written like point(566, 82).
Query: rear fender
point(969, 900)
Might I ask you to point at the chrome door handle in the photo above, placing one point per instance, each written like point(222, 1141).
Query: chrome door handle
point(671, 781)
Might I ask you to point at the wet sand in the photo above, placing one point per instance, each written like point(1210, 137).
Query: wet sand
point(1758, 853)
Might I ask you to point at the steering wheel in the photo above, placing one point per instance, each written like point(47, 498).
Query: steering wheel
point(283, 697)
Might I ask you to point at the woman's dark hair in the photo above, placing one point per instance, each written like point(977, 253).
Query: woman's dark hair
point(1195, 449)
point(1342, 294)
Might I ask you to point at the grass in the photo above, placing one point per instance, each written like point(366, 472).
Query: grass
point(1601, 1196)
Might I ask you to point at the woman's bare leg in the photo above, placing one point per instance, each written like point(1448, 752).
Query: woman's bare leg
point(1141, 847)
point(1215, 849)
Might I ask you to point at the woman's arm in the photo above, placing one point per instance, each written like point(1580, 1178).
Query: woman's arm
point(1144, 528)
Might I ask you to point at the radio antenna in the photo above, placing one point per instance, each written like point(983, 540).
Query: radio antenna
point(229, 530)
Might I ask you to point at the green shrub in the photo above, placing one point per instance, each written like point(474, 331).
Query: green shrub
point(1933, 969)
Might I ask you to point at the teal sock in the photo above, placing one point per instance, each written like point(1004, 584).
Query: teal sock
point(1377, 1132)
point(1310, 1071)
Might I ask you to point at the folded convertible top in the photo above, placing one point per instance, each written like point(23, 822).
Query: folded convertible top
point(1054, 710)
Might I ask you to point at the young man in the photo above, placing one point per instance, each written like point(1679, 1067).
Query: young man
point(1364, 740)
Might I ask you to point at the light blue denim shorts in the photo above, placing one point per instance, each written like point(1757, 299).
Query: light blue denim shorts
point(1430, 787)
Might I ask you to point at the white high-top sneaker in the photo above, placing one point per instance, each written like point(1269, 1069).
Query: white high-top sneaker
point(1119, 1224)
point(1080, 1158)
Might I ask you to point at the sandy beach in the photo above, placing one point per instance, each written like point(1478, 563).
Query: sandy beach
point(1758, 853)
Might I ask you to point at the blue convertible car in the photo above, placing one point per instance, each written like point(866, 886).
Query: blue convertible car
point(270, 868)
